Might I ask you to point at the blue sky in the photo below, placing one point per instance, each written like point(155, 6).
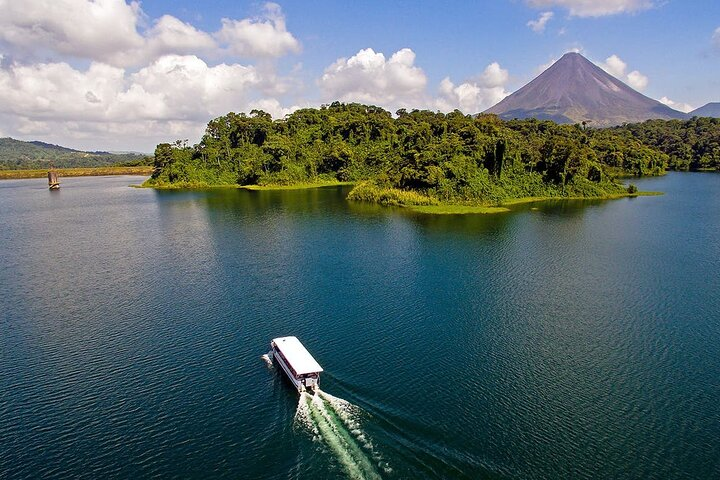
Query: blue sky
point(122, 75)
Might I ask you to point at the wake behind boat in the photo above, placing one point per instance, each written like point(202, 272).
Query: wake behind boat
point(301, 368)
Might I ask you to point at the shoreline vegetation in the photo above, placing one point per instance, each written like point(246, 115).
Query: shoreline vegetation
point(433, 162)
point(367, 192)
point(298, 186)
point(451, 209)
point(76, 172)
point(204, 185)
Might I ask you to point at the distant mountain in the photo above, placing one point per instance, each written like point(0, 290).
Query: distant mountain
point(19, 155)
point(574, 90)
point(47, 146)
point(710, 110)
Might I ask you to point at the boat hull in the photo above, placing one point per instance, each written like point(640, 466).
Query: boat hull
point(296, 383)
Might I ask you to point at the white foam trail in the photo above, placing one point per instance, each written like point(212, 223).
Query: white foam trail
point(302, 414)
point(349, 414)
point(267, 359)
point(334, 421)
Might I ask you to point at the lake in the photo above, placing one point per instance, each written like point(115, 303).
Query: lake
point(566, 339)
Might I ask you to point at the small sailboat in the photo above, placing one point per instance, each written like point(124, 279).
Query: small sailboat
point(53, 180)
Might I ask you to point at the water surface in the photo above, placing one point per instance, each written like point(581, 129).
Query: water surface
point(562, 340)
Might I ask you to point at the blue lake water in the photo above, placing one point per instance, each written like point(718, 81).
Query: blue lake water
point(562, 340)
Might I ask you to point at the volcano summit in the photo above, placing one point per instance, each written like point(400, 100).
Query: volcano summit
point(576, 90)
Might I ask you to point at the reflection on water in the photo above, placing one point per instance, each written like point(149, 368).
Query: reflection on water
point(561, 340)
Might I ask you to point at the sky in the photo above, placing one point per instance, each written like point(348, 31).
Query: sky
point(125, 75)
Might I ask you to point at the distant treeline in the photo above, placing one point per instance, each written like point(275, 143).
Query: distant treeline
point(19, 155)
point(690, 145)
point(446, 157)
point(76, 172)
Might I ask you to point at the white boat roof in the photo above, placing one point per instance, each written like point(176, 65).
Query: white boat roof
point(297, 355)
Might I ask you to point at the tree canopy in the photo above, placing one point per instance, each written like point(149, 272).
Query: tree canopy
point(447, 157)
point(690, 145)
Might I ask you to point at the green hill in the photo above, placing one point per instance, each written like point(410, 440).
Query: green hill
point(19, 155)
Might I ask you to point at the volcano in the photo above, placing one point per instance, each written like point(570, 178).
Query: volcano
point(575, 90)
point(709, 110)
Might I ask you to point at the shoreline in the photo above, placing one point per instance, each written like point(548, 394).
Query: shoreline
point(295, 186)
point(436, 209)
point(75, 172)
point(451, 209)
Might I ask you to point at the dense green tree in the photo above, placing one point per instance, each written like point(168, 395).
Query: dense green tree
point(453, 157)
point(163, 158)
point(689, 145)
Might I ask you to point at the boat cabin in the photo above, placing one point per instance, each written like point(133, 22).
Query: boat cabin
point(53, 180)
point(300, 367)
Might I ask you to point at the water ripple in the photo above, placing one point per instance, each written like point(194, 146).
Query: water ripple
point(573, 341)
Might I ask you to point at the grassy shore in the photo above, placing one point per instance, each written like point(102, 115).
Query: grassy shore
point(612, 196)
point(450, 209)
point(294, 186)
point(76, 172)
point(368, 192)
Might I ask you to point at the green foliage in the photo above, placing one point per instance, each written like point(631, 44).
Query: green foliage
point(689, 145)
point(370, 192)
point(163, 158)
point(418, 158)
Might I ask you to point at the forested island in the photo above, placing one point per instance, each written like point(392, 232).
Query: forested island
point(423, 158)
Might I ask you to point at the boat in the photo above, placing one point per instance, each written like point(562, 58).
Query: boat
point(301, 368)
point(53, 180)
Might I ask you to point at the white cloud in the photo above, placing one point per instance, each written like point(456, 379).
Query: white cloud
point(147, 80)
point(170, 35)
point(716, 37)
point(109, 31)
point(476, 95)
point(171, 88)
point(90, 135)
point(369, 77)
point(616, 67)
point(538, 26)
point(273, 107)
point(494, 76)
point(683, 107)
point(97, 30)
point(594, 8)
point(173, 95)
point(184, 87)
point(637, 80)
point(263, 37)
